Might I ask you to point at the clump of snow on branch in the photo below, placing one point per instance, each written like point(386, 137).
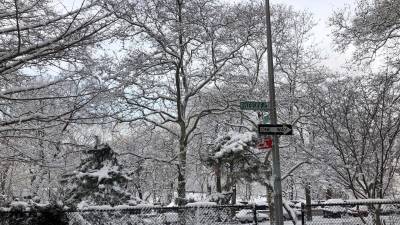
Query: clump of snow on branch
point(103, 173)
point(234, 142)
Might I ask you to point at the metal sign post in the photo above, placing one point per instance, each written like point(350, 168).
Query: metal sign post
point(276, 170)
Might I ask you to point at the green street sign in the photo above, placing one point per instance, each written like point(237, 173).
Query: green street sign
point(266, 119)
point(255, 106)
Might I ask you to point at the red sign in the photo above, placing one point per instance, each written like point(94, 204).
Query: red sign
point(265, 143)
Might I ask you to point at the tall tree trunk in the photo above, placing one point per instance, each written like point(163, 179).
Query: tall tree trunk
point(182, 177)
point(308, 201)
point(138, 174)
point(248, 191)
point(291, 187)
point(181, 111)
point(329, 193)
point(232, 184)
point(3, 178)
point(234, 194)
point(218, 177)
point(140, 193)
point(208, 187)
point(170, 193)
point(154, 188)
point(377, 216)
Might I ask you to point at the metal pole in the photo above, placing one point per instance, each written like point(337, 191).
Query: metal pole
point(276, 170)
point(255, 214)
point(302, 214)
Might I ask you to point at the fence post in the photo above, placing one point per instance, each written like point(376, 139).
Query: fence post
point(303, 221)
point(255, 214)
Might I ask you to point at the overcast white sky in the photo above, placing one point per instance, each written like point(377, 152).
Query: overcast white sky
point(322, 10)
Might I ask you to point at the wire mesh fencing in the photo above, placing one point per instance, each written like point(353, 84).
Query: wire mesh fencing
point(371, 212)
point(150, 216)
point(356, 212)
point(187, 215)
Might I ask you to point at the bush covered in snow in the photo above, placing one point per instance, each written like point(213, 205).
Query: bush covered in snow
point(99, 180)
point(32, 213)
point(234, 156)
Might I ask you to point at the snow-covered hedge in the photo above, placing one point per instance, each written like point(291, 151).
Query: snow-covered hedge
point(39, 214)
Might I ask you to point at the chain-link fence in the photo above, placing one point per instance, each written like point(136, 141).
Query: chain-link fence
point(151, 216)
point(376, 212)
point(356, 212)
point(188, 215)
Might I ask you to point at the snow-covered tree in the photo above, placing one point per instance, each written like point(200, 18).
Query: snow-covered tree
point(152, 171)
point(46, 51)
point(99, 180)
point(44, 54)
point(298, 70)
point(372, 27)
point(234, 156)
point(362, 128)
point(177, 50)
point(359, 125)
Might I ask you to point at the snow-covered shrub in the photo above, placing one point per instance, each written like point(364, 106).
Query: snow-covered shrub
point(99, 180)
point(234, 156)
point(220, 198)
point(4, 200)
point(32, 213)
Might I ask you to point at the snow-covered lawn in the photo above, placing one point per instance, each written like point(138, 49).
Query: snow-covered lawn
point(389, 220)
point(319, 220)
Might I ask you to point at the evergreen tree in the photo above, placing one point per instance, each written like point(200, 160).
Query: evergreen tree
point(99, 180)
point(235, 155)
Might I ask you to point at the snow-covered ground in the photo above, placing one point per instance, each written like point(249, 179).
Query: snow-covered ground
point(319, 220)
point(173, 219)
